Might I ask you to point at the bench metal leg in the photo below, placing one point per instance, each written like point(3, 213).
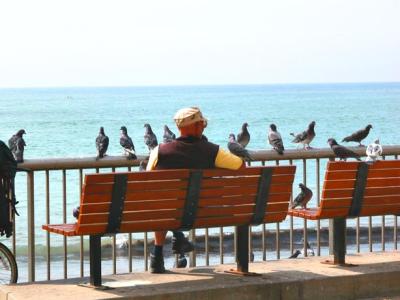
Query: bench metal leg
point(242, 252)
point(95, 260)
point(339, 242)
point(95, 264)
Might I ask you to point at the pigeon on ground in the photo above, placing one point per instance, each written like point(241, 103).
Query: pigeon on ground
point(305, 137)
point(358, 136)
point(342, 152)
point(302, 198)
point(295, 254)
point(150, 138)
point(101, 143)
point(243, 137)
point(17, 145)
point(310, 250)
point(237, 149)
point(126, 142)
point(275, 139)
point(168, 136)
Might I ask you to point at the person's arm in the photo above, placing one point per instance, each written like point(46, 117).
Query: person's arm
point(227, 160)
point(153, 159)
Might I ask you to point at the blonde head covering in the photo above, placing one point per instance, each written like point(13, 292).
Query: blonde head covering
point(189, 115)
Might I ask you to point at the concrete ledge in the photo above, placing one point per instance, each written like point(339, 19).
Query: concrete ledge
point(377, 275)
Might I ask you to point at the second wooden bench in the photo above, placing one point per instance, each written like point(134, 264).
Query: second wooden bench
point(355, 189)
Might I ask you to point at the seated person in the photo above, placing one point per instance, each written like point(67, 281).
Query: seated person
point(189, 151)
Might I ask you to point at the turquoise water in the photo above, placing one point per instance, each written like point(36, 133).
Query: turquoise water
point(63, 122)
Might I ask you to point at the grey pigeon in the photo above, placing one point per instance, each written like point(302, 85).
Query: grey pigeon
point(275, 139)
point(243, 137)
point(358, 136)
point(101, 143)
point(342, 152)
point(168, 136)
point(302, 198)
point(17, 145)
point(237, 149)
point(295, 254)
point(150, 138)
point(126, 142)
point(305, 137)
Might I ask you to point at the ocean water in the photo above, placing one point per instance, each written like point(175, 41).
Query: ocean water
point(64, 122)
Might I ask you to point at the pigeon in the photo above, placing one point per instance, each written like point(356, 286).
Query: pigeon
point(101, 143)
point(243, 137)
point(17, 145)
point(275, 139)
point(310, 250)
point(237, 149)
point(373, 151)
point(342, 152)
point(295, 254)
point(358, 136)
point(150, 138)
point(126, 142)
point(168, 136)
point(302, 198)
point(143, 166)
point(305, 137)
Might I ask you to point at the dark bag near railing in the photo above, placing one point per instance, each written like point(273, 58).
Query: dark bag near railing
point(8, 168)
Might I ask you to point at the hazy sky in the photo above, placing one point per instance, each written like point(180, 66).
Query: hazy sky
point(179, 42)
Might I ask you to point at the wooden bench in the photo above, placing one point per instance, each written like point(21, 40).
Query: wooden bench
point(179, 200)
point(355, 189)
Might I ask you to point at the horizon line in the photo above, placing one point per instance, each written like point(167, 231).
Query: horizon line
point(198, 85)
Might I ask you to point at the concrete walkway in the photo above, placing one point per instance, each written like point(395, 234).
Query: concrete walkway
point(377, 276)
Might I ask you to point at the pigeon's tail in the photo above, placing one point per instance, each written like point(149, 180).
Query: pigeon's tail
point(346, 139)
point(292, 134)
point(132, 156)
point(279, 150)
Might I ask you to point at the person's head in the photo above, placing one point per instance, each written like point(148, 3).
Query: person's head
point(190, 121)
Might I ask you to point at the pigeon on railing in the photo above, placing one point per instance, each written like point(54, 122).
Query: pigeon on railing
point(17, 145)
point(237, 149)
point(243, 137)
point(168, 136)
point(358, 136)
point(275, 139)
point(305, 137)
point(126, 142)
point(150, 138)
point(102, 142)
point(342, 152)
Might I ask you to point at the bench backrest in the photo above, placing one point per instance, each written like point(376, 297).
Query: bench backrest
point(360, 189)
point(173, 199)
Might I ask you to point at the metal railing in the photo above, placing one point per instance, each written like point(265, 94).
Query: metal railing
point(280, 238)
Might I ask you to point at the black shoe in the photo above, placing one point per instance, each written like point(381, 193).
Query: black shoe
point(181, 245)
point(156, 264)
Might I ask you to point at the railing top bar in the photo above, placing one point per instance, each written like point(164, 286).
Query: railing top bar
point(314, 153)
point(79, 163)
point(121, 161)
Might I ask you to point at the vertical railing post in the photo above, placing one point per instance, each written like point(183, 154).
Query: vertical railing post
point(31, 225)
point(339, 240)
point(242, 244)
